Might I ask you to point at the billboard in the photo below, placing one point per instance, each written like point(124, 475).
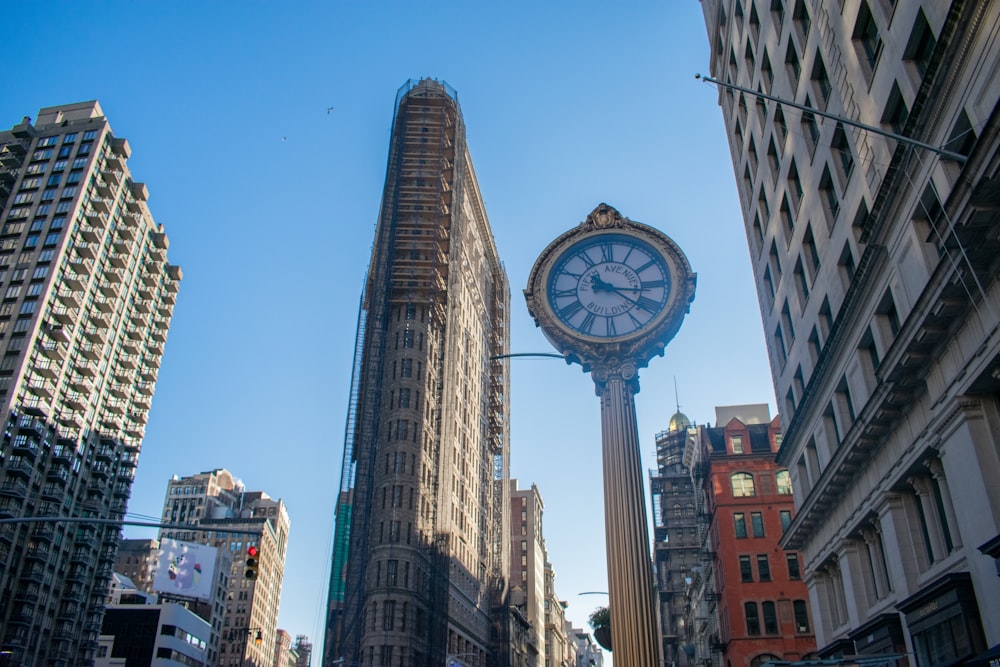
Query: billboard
point(185, 569)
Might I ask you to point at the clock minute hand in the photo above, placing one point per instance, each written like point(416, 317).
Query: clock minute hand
point(618, 290)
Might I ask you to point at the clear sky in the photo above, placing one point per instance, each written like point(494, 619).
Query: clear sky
point(270, 204)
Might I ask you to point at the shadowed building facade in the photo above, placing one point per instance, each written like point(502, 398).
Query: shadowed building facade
point(875, 264)
point(421, 552)
point(87, 296)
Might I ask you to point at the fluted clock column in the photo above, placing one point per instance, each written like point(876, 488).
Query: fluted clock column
point(630, 573)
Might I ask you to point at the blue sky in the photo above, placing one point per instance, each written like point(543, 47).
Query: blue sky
point(270, 204)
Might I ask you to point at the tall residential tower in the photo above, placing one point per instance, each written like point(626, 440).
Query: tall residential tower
point(87, 295)
point(875, 256)
point(421, 549)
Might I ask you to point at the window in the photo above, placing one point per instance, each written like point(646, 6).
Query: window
point(786, 519)
point(865, 36)
point(763, 567)
point(754, 21)
point(780, 129)
point(753, 620)
point(963, 136)
point(784, 480)
point(810, 128)
point(801, 616)
point(921, 44)
point(757, 521)
point(778, 11)
point(828, 196)
point(766, 73)
point(844, 159)
point(794, 574)
point(406, 369)
point(792, 65)
point(742, 484)
point(746, 569)
point(801, 282)
point(740, 521)
point(408, 338)
point(737, 442)
point(794, 186)
point(770, 618)
point(821, 82)
point(896, 111)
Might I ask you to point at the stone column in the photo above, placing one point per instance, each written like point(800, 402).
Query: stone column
point(954, 528)
point(922, 486)
point(899, 542)
point(635, 634)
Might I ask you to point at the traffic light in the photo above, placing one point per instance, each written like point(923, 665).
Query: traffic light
point(252, 562)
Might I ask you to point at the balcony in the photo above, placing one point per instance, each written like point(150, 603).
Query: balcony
point(153, 361)
point(90, 234)
point(111, 175)
point(120, 389)
point(150, 279)
point(64, 315)
point(138, 417)
point(120, 246)
point(89, 350)
point(141, 404)
point(39, 553)
point(129, 360)
point(159, 336)
point(52, 350)
point(75, 402)
point(68, 299)
point(148, 374)
point(143, 306)
point(79, 267)
point(155, 348)
point(115, 408)
point(118, 260)
point(126, 233)
point(42, 388)
point(96, 220)
point(27, 447)
point(52, 493)
point(71, 419)
point(13, 488)
point(135, 333)
point(113, 275)
point(58, 475)
point(95, 335)
point(110, 289)
point(86, 250)
point(101, 205)
point(57, 333)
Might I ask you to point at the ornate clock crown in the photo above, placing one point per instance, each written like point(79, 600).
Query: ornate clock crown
point(605, 217)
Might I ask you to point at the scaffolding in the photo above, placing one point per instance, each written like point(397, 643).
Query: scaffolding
point(406, 306)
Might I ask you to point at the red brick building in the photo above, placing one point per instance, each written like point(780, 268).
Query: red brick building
point(763, 604)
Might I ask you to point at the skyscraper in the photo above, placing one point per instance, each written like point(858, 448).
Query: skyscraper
point(874, 253)
point(87, 296)
point(215, 499)
point(420, 552)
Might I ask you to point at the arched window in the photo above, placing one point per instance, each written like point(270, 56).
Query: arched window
point(742, 483)
point(753, 619)
point(784, 481)
point(763, 658)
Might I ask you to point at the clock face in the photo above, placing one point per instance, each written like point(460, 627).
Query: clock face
point(609, 286)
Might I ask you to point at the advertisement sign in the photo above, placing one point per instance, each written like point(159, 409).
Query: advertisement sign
point(186, 569)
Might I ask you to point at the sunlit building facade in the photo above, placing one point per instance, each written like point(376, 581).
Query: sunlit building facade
point(87, 297)
point(874, 253)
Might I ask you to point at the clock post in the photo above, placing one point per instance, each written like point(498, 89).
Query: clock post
point(609, 295)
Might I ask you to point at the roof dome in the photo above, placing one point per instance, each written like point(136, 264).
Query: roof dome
point(679, 422)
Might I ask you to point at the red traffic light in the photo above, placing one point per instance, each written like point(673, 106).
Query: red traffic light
point(252, 552)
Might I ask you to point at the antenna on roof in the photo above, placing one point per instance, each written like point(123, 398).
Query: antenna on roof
point(677, 398)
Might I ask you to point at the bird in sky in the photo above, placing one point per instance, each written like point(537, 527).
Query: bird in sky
point(329, 110)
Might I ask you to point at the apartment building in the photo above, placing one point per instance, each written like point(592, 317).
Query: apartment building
point(87, 296)
point(874, 252)
point(223, 514)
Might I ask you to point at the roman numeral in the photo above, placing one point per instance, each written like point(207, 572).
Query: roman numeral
point(586, 259)
point(645, 266)
point(607, 252)
point(612, 330)
point(570, 310)
point(647, 304)
point(588, 323)
point(564, 292)
point(653, 284)
point(635, 320)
